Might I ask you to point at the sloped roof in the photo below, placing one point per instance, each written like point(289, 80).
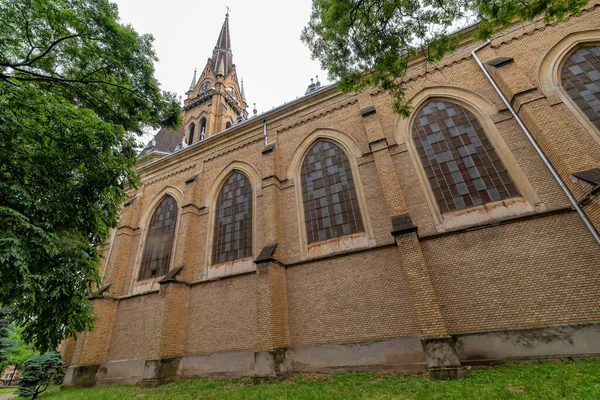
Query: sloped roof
point(591, 176)
point(164, 141)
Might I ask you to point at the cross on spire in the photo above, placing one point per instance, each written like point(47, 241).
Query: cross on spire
point(227, 13)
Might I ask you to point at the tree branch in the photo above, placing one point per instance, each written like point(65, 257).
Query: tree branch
point(50, 48)
point(31, 46)
point(60, 80)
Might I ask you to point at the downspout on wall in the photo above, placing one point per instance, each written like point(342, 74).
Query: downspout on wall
point(535, 145)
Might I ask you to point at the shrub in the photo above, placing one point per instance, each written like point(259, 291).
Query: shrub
point(39, 372)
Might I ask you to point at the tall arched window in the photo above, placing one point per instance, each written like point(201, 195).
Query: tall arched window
point(331, 206)
point(159, 240)
point(461, 164)
point(191, 136)
point(203, 128)
point(580, 77)
point(232, 237)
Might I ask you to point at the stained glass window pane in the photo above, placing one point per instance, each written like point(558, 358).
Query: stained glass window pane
point(580, 77)
point(460, 163)
point(233, 221)
point(330, 203)
point(159, 241)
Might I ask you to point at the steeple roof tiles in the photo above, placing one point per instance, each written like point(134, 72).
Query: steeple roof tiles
point(224, 41)
point(222, 51)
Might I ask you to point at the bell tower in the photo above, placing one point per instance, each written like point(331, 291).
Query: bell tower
point(216, 100)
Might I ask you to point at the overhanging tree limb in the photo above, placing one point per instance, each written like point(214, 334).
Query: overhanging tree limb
point(359, 42)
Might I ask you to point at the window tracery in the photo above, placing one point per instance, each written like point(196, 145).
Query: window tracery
point(580, 77)
point(460, 163)
point(331, 207)
point(232, 237)
point(159, 240)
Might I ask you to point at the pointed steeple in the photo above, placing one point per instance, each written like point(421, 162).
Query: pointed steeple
point(220, 96)
point(224, 41)
point(193, 84)
point(222, 51)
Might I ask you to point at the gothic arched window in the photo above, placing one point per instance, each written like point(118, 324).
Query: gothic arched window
point(227, 125)
point(232, 237)
point(331, 206)
point(159, 240)
point(580, 77)
point(460, 163)
point(191, 137)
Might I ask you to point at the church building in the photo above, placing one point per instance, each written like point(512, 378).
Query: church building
point(330, 234)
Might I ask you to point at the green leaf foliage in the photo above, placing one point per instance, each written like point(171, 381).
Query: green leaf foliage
point(39, 372)
point(76, 86)
point(368, 43)
point(6, 344)
point(21, 350)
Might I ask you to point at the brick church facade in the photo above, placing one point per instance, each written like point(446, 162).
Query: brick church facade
point(329, 234)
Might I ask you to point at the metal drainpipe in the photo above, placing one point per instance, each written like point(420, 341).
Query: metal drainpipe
point(265, 132)
point(572, 199)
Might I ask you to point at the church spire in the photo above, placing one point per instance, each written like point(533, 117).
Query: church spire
point(217, 97)
point(193, 84)
point(222, 52)
point(224, 40)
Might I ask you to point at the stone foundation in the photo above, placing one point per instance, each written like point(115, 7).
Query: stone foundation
point(561, 341)
point(443, 357)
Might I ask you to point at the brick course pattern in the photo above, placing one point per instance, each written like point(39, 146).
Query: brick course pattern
point(516, 263)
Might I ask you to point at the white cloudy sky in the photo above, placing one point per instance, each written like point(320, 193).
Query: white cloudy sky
point(265, 39)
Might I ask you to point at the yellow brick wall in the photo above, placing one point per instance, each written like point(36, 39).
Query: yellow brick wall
point(222, 316)
point(533, 272)
point(530, 273)
point(136, 327)
point(355, 298)
point(67, 348)
point(96, 343)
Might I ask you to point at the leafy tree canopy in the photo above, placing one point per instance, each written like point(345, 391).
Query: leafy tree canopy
point(21, 350)
point(367, 43)
point(76, 85)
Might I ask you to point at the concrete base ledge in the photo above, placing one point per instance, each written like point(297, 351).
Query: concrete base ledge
point(226, 364)
point(554, 342)
point(406, 354)
point(402, 354)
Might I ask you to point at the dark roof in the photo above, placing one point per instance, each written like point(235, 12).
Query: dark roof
point(591, 176)
point(222, 51)
point(224, 40)
point(498, 62)
point(164, 141)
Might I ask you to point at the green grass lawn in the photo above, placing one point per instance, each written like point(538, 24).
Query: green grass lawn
point(565, 380)
point(4, 390)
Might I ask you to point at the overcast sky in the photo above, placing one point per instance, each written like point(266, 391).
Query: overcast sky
point(265, 38)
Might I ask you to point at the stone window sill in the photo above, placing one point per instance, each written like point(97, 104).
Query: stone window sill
point(147, 285)
point(487, 212)
point(339, 244)
point(228, 268)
